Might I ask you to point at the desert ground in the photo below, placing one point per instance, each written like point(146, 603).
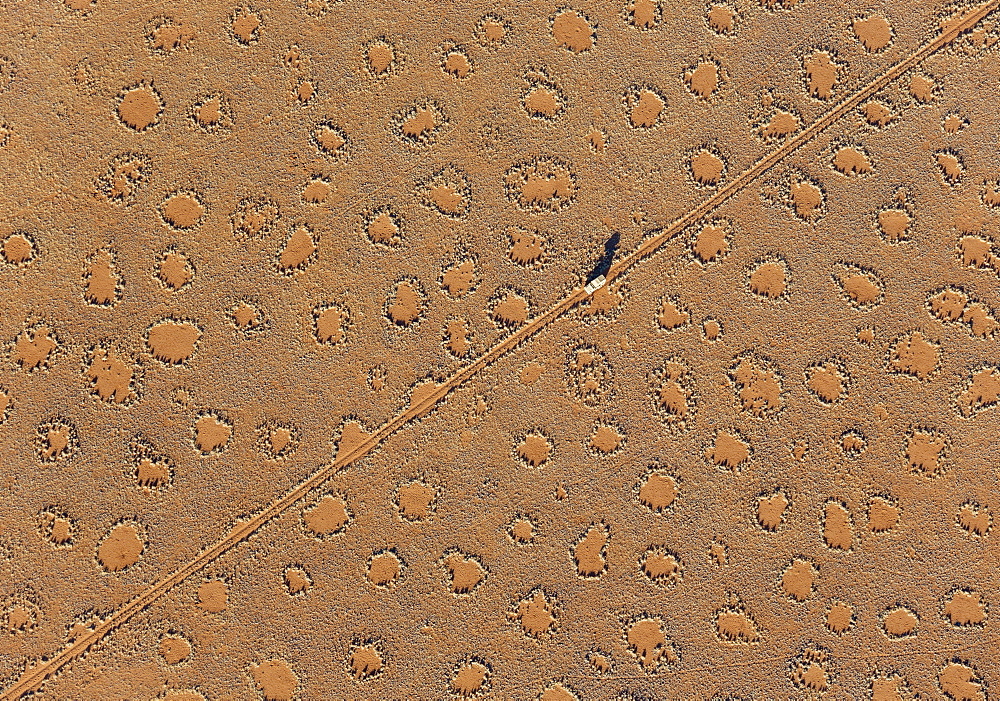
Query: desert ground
point(303, 396)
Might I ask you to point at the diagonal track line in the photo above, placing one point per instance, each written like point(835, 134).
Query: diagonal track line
point(427, 397)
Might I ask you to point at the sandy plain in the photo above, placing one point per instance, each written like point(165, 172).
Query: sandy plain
point(302, 397)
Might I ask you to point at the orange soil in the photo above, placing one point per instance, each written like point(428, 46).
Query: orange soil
point(304, 398)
